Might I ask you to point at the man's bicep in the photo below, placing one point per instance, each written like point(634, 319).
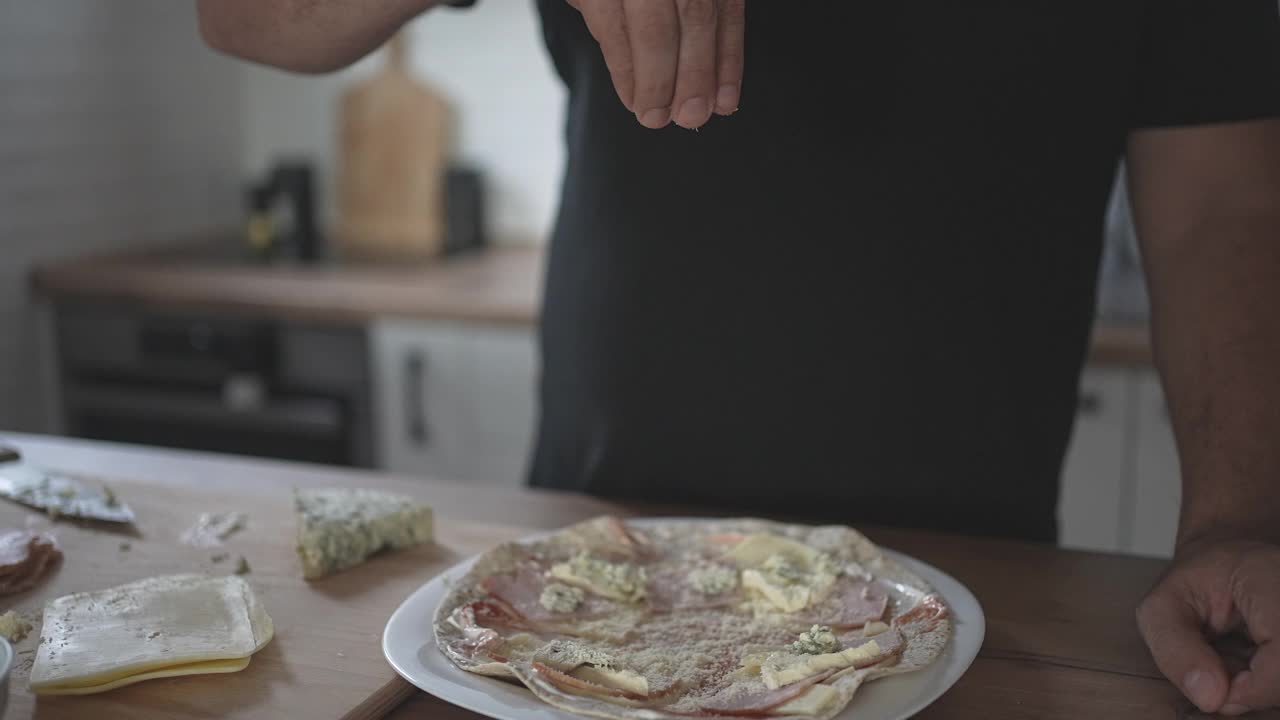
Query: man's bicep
point(1182, 180)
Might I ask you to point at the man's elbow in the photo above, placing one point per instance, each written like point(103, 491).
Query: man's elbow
point(252, 32)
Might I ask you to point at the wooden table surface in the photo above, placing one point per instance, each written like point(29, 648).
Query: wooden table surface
point(1060, 644)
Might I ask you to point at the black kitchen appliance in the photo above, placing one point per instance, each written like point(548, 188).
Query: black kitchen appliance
point(465, 211)
point(221, 384)
point(281, 208)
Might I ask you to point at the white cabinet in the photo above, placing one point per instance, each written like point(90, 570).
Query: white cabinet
point(1121, 482)
point(1090, 511)
point(455, 400)
point(1157, 473)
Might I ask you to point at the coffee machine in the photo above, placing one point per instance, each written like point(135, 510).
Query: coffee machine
point(282, 223)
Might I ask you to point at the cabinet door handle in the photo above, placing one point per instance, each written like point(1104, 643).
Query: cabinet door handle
point(415, 370)
point(1089, 403)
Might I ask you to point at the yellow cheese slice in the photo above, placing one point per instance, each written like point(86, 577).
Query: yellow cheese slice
point(157, 627)
point(201, 668)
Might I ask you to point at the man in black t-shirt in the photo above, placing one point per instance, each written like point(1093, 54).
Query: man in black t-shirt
point(866, 296)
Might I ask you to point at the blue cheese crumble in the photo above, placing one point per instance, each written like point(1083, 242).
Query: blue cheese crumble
point(713, 580)
point(561, 598)
point(817, 640)
point(617, 581)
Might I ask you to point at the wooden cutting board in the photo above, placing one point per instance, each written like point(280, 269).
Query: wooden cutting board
point(395, 132)
point(326, 655)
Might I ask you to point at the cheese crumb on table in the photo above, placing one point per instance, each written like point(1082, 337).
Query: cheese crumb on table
point(13, 627)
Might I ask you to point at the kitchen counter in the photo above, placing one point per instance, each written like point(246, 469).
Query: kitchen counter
point(496, 286)
point(1060, 643)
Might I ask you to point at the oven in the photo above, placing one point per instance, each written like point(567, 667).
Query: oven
point(224, 384)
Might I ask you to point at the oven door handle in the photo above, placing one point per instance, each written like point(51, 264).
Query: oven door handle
point(415, 371)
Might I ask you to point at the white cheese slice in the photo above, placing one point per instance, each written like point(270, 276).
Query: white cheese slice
point(784, 668)
point(157, 627)
point(755, 548)
point(874, 628)
point(786, 596)
point(618, 679)
point(788, 574)
point(339, 528)
point(201, 668)
point(814, 701)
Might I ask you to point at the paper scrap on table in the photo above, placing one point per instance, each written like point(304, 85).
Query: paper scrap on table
point(61, 494)
point(211, 529)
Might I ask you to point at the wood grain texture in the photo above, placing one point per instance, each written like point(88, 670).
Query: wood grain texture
point(326, 657)
point(383, 701)
point(501, 286)
point(1061, 642)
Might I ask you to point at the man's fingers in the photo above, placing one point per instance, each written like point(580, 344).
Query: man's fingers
point(1171, 628)
point(731, 44)
point(606, 19)
point(696, 74)
point(653, 29)
point(1257, 596)
point(1259, 686)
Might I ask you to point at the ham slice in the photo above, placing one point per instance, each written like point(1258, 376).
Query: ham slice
point(928, 611)
point(495, 613)
point(24, 557)
point(759, 701)
point(852, 603)
point(522, 590)
point(670, 590)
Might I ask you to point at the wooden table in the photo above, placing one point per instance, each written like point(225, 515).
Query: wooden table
point(1060, 642)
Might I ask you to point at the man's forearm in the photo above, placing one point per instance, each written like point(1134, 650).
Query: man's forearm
point(1207, 204)
point(1216, 333)
point(310, 36)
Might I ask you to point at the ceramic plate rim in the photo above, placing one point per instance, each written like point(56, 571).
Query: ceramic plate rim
point(483, 695)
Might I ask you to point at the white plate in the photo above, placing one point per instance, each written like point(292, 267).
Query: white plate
point(409, 645)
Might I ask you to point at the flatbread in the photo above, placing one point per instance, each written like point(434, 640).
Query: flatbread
point(692, 657)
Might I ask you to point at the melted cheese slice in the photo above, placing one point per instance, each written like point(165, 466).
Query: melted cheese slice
point(159, 627)
point(815, 701)
point(784, 668)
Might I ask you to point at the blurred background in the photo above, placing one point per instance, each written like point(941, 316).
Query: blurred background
point(204, 254)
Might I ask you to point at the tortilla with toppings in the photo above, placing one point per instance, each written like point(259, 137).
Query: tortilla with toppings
point(679, 618)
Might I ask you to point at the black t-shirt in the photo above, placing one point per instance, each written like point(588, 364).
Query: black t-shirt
point(866, 296)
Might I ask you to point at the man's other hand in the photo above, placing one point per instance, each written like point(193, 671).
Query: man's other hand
point(671, 60)
point(1213, 590)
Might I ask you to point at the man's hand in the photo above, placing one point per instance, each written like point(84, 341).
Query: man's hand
point(1213, 589)
point(671, 59)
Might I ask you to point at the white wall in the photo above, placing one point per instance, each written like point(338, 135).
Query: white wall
point(117, 127)
point(488, 60)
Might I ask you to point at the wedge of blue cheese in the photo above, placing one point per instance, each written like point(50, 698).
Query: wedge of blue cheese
point(339, 528)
